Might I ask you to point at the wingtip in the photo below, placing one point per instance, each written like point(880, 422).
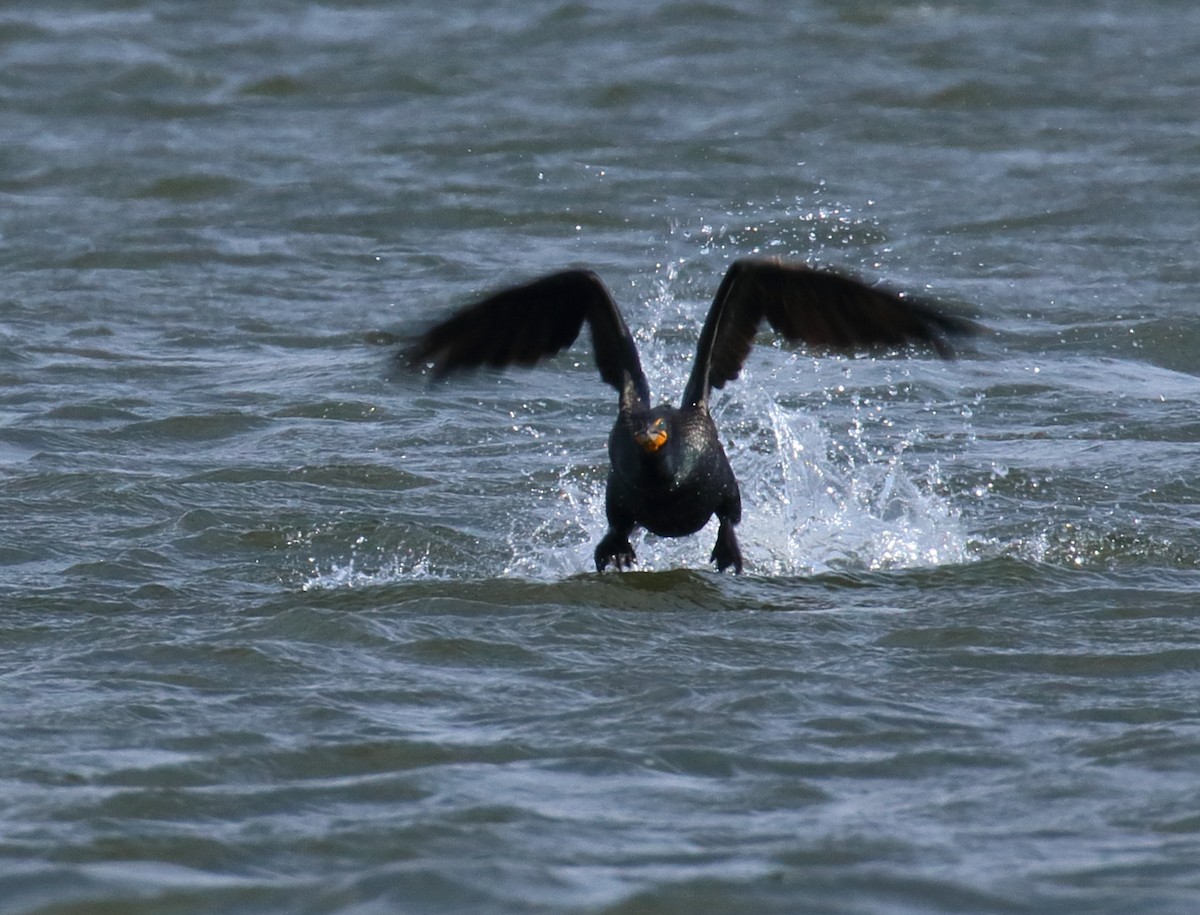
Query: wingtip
point(944, 324)
point(414, 356)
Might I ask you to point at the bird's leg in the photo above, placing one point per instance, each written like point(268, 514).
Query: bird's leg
point(615, 547)
point(726, 552)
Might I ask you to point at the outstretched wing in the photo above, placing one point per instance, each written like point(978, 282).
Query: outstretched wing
point(804, 305)
point(524, 324)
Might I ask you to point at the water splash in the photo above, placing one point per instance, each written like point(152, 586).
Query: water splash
point(812, 501)
point(828, 481)
point(816, 503)
point(805, 227)
point(360, 571)
point(810, 505)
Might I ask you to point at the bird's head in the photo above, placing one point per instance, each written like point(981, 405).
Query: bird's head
point(651, 430)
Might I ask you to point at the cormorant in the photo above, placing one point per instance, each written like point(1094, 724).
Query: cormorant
point(669, 473)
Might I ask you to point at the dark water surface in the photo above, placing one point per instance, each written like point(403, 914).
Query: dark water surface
point(285, 630)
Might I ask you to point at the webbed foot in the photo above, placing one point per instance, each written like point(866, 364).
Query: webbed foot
point(615, 548)
point(726, 551)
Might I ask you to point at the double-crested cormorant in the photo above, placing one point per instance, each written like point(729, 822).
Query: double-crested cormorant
point(669, 473)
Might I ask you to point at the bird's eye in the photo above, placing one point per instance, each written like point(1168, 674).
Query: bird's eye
point(659, 424)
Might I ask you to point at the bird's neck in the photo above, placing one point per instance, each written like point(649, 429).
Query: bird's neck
point(631, 399)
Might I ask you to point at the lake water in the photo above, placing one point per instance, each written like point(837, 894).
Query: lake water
point(285, 629)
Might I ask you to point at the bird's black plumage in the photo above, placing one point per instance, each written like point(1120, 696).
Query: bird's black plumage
point(669, 473)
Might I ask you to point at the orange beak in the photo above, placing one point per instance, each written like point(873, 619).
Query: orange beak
point(652, 440)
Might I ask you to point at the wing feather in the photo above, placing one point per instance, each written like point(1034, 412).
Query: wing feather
point(524, 324)
point(817, 307)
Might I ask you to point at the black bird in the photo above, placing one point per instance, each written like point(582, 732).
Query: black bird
point(669, 473)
